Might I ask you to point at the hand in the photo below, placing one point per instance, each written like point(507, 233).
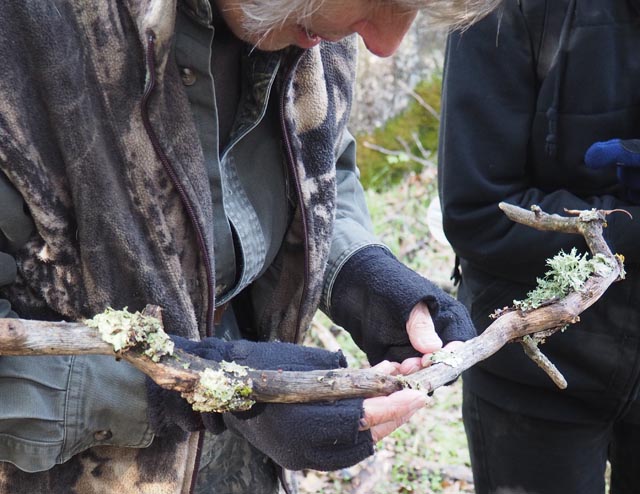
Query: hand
point(322, 436)
point(392, 312)
point(625, 155)
point(423, 337)
point(384, 414)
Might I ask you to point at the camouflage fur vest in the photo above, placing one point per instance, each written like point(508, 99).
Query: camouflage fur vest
point(96, 134)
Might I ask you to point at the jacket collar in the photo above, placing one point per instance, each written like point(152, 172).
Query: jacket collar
point(200, 10)
point(159, 17)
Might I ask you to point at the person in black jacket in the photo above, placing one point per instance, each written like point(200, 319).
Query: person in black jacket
point(526, 93)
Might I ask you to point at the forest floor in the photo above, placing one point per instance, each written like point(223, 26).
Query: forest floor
point(428, 455)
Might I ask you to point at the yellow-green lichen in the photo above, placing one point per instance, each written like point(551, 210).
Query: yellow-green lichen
point(222, 390)
point(567, 273)
point(124, 330)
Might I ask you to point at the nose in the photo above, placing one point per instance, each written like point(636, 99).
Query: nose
point(383, 34)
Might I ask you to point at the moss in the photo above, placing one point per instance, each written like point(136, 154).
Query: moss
point(378, 170)
point(124, 330)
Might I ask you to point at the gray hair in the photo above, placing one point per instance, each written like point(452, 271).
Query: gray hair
point(262, 16)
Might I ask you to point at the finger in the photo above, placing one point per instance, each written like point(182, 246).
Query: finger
point(422, 333)
point(386, 367)
point(410, 365)
point(384, 414)
point(452, 346)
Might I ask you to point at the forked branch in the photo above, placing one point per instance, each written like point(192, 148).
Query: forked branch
point(229, 387)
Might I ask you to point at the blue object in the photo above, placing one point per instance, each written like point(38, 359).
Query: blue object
point(625, 156)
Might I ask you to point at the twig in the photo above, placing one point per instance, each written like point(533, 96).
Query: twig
point(329, 341)
point(530, 347)
point(420, 100)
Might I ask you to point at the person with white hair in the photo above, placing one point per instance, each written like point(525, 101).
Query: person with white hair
point(193, 154)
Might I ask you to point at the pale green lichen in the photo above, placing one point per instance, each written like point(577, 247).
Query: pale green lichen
point(446, 357)
point(222, 390)
point(124, 330)
point(567, 273)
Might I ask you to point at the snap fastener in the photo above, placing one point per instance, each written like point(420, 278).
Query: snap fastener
point(102, 435)
point(188, 76)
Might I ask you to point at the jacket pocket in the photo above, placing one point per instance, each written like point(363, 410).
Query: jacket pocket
point(32, 410)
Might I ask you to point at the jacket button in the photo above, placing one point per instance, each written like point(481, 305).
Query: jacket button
point(102, 435)
point(188, 76)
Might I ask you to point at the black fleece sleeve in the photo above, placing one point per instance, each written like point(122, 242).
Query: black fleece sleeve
point(373, 296)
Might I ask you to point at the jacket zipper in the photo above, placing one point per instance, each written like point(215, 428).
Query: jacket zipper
point(184, 197)
point(292, 167)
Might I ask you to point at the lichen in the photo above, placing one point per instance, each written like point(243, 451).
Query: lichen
point(446, 357)
point(590, 215)
point(222, 390)
point(124, 330)
point(568, 273)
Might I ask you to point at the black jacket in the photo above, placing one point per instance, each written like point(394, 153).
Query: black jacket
point(510, 133)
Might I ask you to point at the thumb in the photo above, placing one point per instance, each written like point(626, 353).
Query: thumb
point(421, 331)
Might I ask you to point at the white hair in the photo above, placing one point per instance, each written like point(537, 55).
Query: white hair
point(262, 16)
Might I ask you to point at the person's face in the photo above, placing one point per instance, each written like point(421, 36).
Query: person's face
point(382, 25)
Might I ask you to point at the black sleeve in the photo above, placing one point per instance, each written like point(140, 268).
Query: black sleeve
point(488, 107)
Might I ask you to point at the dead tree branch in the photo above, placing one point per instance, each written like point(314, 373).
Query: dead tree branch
point(183, 372)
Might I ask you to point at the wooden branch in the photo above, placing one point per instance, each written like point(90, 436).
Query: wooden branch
point(183, 372)
point(530, 346)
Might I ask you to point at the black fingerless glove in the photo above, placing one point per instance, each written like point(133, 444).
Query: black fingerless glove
point(322, 436)
point(373, 297)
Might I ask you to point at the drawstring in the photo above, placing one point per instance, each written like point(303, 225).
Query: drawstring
point(551, 141)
